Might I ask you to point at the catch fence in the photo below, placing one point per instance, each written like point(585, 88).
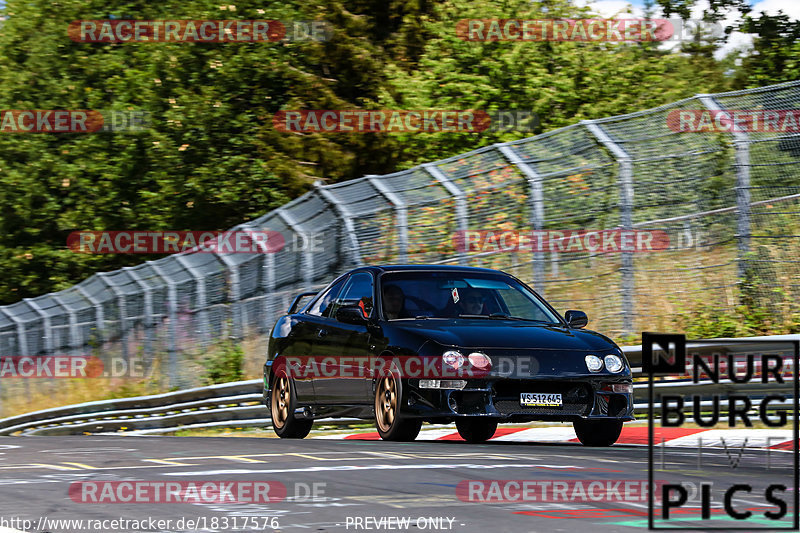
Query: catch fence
point(727, 202)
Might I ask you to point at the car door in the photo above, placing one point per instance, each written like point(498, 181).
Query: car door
point(345, 348)
point(304, 334)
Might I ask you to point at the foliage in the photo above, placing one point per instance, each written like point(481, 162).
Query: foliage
point(224, 363)
point(561, 82)
point(212, 159)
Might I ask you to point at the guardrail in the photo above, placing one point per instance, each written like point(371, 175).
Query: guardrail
point(239, 404)
point(232, 402)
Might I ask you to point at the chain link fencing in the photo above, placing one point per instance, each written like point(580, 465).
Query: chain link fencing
point(727, 200)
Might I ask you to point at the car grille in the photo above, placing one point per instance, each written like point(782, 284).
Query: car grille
point(577, 397)
point(508, 407)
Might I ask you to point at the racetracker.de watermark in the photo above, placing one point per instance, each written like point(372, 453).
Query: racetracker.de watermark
point(197, 31)
point(473, 366)
point(583, 30)
point(395, 121)
point(72, 367)
point(172, 242)
point(72, 121)
point(529, 490)
point(734, 120)
point(150, 492)
point(566, 241)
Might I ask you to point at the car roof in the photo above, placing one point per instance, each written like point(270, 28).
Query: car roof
point(441, 268)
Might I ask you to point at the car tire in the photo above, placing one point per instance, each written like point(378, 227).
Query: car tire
point(476, 429)
point(597, 433)
point(282, 405)
point(391, 423)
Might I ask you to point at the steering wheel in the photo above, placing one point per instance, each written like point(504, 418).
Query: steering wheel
point(421, 304)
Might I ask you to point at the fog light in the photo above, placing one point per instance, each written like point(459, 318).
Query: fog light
point(442, 383)
point(622, 388)
point(452, 403)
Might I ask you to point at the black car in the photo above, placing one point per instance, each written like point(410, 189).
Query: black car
point(407, 344)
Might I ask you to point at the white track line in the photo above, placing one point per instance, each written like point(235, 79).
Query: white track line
point(756, 438)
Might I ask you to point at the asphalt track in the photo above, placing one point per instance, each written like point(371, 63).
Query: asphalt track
point(356, 479)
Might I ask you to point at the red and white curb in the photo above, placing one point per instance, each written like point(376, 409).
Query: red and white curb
point(775, 439)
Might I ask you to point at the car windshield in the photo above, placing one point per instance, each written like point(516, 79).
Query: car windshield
point(409, 295)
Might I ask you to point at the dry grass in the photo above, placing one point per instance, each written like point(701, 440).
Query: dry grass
point(27, 395)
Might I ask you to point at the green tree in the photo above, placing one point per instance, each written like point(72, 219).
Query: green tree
point(211, 157)
point(562, 82)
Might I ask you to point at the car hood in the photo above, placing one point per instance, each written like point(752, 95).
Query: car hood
point(505, 334)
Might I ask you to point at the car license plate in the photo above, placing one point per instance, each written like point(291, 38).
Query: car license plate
point(531, 399)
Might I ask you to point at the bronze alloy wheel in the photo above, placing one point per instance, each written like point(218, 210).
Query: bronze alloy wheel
point(386, 403)
point(389, 419)
point(282, 409)
point(281, 398)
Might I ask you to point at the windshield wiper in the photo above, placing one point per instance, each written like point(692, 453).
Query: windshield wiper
point(503, 316)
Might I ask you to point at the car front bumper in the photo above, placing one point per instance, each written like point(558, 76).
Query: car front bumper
point(582, 399)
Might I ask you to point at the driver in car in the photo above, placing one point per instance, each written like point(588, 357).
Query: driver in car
point(471, 303)
point(394, 302)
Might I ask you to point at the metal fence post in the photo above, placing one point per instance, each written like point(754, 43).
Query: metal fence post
point(22, 343)
point(149, 322)
point(123, 315)
point(46, 331)
point(742, 164)
point(461, 202)
point(172, 314)
point(202, 320)
point(47, 335)
point(98, 313)
point(269, 284)
point(74, 341)
point(234, 297)
point(536, 205)
point(308, 257)
point(401, 212)
point(626, 217)
point(347, 219)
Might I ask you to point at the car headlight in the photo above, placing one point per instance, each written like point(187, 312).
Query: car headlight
point(480, 360)
point(613, 363)
point(453, 358)
point(594, 363)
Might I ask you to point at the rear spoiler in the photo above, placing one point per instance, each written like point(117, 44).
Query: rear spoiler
point(293, 307)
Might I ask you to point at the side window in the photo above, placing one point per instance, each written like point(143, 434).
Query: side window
point(357, 291)
point(322, 306)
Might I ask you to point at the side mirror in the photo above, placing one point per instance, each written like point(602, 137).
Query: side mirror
point(351, 314)
point(576, 319)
